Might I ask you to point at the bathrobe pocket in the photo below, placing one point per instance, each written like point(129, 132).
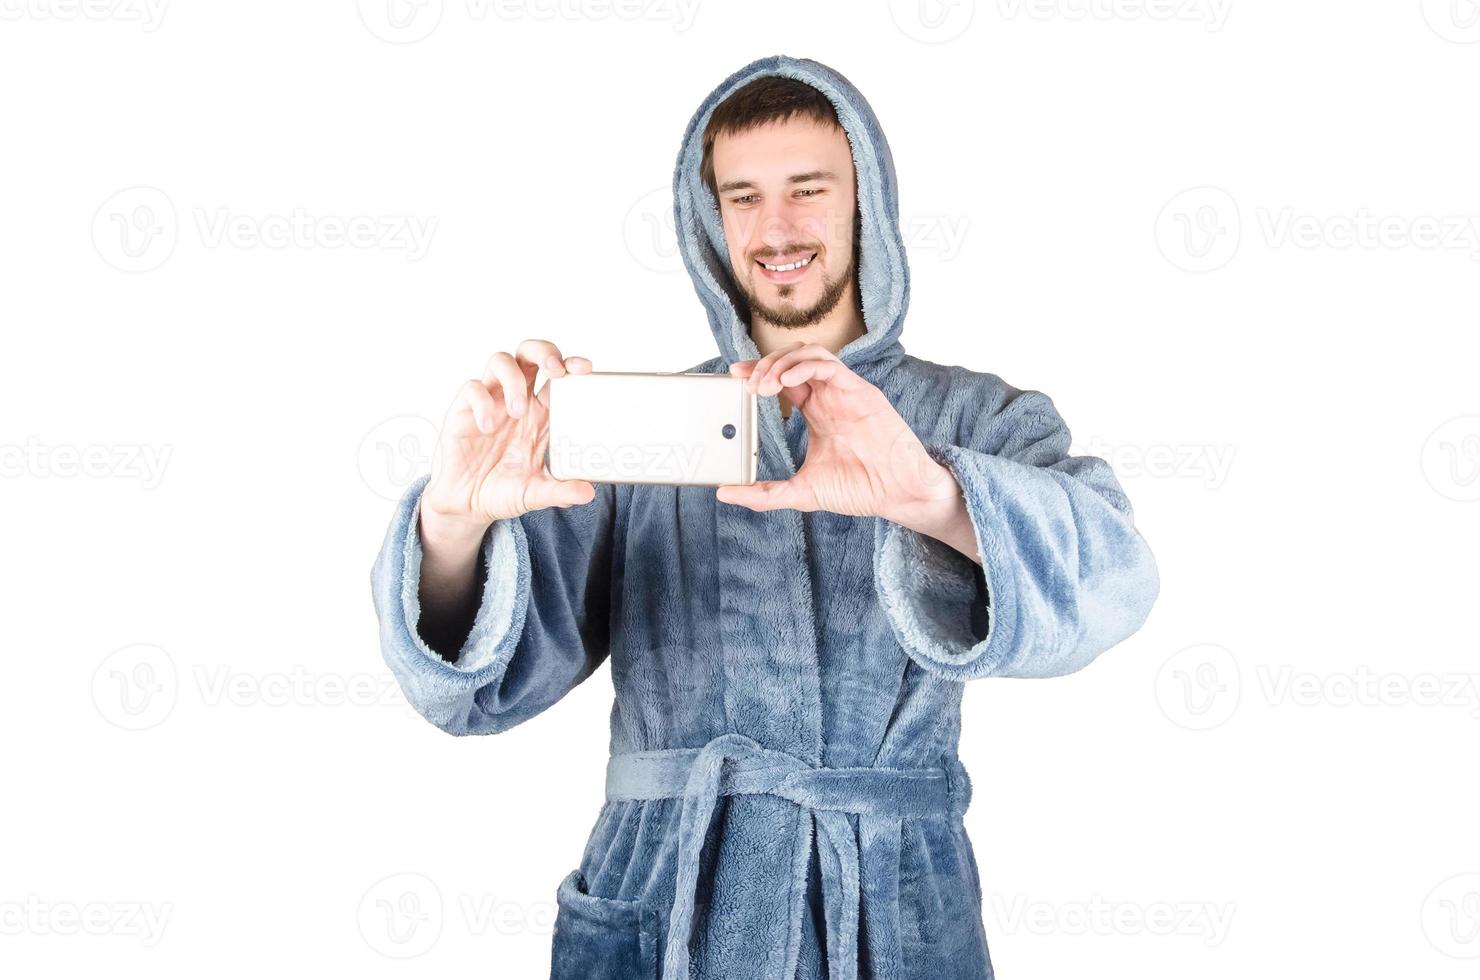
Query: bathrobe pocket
point(602, 938)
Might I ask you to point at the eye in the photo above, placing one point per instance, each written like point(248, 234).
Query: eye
point(810, 191)
point(741, 200)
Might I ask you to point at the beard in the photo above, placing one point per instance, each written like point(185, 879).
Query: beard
point(791, 316)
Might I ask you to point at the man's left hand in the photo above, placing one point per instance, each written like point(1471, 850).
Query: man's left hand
point(862, 458)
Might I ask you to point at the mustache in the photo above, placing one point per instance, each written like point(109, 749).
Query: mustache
point(771, 254)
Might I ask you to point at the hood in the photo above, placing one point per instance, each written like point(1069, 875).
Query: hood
point(883, 276)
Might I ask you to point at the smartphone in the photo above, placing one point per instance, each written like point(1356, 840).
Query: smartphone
point(636, 427)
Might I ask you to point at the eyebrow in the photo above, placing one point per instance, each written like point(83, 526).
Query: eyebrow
point(811, 175)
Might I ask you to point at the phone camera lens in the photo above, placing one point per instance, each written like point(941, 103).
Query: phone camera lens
point(728, 431)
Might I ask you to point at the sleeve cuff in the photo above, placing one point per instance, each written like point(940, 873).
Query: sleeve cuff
point(945, 609)
point(491, 641)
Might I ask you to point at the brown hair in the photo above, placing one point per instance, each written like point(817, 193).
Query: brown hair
point(771, 98)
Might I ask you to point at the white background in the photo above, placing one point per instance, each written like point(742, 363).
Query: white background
point(1232, 241)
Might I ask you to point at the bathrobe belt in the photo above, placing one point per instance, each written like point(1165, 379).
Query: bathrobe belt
point(734, 764)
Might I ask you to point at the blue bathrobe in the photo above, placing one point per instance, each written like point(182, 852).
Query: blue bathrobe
point(783, 795)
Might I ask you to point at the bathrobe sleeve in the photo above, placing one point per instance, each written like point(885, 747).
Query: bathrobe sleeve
point(1065, 575)
point(541, 626)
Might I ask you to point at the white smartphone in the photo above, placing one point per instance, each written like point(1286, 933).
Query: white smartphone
point(636, 427)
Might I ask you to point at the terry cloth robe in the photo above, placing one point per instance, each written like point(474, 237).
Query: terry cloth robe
point(783, 795)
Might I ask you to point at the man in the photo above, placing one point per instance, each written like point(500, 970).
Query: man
point(784, 793)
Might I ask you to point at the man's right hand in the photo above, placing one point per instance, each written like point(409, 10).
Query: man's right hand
point(489, 465)
point(490, 457)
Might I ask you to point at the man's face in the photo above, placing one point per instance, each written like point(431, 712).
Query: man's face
point(786, 195)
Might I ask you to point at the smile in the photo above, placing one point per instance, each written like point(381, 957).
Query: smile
point(786, 272)
point(800, 264)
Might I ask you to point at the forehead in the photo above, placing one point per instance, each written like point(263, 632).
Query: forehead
point(775, 151)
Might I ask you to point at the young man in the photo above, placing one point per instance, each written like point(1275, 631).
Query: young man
point(784, 793)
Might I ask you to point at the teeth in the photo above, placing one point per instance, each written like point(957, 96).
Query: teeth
point(790, 266)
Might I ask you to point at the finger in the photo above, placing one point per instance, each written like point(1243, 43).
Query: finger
point(761, 496)
point(742, 369)
point(764, 364)
point(795, 375)
point(547, 491)
point(574, 365)
point(769, 383)
point(504, 371)
point(540, 354)
point(475, 396)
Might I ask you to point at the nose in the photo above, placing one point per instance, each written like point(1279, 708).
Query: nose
point(779, 226)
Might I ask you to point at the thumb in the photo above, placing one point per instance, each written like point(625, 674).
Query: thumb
point(762, 495)
point(547, 492)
